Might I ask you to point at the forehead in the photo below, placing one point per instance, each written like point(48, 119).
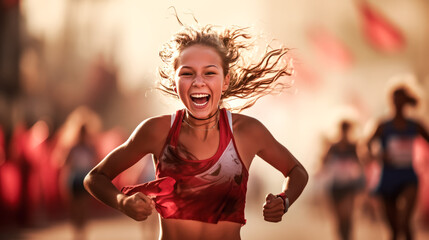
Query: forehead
point(199, 55)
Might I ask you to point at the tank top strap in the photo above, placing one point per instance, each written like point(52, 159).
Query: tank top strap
point(225, 126)
point(229, 116)
point(176, 123)
point(173, 118)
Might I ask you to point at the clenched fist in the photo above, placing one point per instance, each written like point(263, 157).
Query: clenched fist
point(273, 208)
point(137, 206)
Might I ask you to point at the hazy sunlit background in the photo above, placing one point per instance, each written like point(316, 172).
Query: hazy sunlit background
point(68, 62)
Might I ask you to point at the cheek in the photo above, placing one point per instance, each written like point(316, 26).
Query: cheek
point(181, 88)
point(219, 90)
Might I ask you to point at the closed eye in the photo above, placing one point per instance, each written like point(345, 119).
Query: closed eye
point(185, 74)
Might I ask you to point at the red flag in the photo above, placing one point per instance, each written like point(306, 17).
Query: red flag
point(330, 48)
point(382, 34)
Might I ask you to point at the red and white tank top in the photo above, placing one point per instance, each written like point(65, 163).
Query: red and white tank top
point(208, 190)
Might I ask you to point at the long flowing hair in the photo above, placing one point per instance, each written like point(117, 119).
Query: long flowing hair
point(248, 80)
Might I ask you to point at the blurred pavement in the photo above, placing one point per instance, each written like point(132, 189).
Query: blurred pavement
point(305, 221)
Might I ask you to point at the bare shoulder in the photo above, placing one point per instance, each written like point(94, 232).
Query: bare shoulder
point(151, 132)
point(154, 125)
point(251, 132)
point(243, 124)
point(253, 138)
point(158, 123)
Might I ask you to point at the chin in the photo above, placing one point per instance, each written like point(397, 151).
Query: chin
point(201, 113)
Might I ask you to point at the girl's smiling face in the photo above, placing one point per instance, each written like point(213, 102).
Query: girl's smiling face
point(200, 80)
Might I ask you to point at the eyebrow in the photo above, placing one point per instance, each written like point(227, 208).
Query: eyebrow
point(208, 66)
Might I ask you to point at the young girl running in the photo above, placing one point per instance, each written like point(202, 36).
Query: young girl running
point(202, 153)
point(398, 180)
point(342, 164)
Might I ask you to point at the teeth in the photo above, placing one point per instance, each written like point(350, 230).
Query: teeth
point(200, 104)
point(199, 95)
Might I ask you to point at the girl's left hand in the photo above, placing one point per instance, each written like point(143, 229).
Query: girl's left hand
point(273, 208)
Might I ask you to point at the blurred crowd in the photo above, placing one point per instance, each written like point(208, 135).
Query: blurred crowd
point(37, 165)
point(383, 173)
point(54, 127)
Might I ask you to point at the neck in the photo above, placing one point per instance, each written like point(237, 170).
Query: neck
point(204, 124)
point(399, 114)
point(202, 119)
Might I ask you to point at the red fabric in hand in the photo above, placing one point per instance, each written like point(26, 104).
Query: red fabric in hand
point(160, 187)
point(157, 190)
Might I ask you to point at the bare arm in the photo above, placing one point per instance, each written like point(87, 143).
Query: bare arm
point(369, 156)
point(255, 139)
point(280, 158)
point(144, 140)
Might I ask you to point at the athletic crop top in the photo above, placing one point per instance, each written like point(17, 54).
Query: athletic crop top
point(398, 143)
point(209, 190)
point(343, 164)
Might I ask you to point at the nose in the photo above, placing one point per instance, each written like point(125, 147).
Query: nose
point(198, 81)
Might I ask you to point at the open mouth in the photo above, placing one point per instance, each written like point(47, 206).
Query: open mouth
point(200, 99)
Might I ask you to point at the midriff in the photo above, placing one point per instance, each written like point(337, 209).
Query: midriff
point(177, 229)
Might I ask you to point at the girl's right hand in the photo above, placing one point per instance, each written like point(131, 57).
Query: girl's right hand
point(137, 206)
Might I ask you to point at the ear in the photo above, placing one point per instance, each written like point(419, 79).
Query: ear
point(225, 83)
